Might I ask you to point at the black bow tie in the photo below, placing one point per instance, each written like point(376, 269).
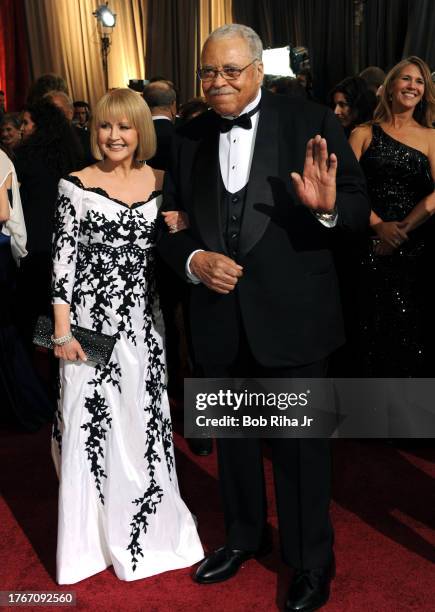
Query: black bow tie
point(243, 121)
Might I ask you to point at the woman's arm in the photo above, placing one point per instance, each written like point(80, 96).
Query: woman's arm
point(426, 207)
point(389, 232)
point(65, 244)
point(71, 351)
point(360, 139)
point(5, 211)
point(392, 233)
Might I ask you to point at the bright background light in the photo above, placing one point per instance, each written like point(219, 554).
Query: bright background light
point(277, 61)
point(106, 16)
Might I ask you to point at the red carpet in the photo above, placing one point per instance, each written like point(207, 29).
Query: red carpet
point(383, 512)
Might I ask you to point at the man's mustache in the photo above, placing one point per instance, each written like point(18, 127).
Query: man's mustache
point(219, 91)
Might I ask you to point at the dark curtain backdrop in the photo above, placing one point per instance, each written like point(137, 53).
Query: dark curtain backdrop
point(324, 27)
point(391, 30)
point(14, 64)
point(394, 29)
point(172, 43)
point(383, 32)
point(420, 37)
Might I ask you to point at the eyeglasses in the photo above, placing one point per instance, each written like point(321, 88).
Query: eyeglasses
point(229, 73)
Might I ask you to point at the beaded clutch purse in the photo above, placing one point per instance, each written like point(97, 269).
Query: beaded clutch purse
point(98, 347)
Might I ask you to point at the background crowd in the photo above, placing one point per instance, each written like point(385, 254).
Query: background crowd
point(49, 138)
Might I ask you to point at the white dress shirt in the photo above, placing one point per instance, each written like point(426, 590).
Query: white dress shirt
point(155, 117)
point(236, 149)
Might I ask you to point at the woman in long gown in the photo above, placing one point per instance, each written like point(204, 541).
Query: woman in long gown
point(397, 153)
point(119, 502)
point(22, 397)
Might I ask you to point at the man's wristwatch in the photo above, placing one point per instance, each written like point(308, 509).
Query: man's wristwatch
point(326, 216)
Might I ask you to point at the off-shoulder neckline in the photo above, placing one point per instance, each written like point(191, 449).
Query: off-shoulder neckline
point(100, 191)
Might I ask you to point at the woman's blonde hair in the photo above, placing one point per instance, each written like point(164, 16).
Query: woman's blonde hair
point(424, 113)
point(125, 103)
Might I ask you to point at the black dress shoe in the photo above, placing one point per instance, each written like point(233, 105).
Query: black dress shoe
point(200, 446)
point(225, 562)
point(309, 589)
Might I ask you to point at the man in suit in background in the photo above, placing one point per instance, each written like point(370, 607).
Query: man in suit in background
point(162, 100)
point(82, 115)
point(66, 105)
point(264, 298)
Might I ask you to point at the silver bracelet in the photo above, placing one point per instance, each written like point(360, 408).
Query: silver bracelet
point(62, 340)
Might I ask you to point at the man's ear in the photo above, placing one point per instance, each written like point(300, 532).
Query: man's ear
point(260, 68)
point(174, 109)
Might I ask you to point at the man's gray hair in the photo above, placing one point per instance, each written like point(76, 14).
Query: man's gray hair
point(159, 95)
point(233, 30)
point(54, 93)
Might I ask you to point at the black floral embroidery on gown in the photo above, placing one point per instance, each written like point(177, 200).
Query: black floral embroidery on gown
point(104, 267)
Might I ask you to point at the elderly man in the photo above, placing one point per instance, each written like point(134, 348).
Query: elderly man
point(264, 298)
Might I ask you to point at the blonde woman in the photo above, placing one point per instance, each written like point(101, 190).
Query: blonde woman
point(397, 154)
point(119, 502)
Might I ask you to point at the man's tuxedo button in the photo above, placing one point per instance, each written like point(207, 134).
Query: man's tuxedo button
point(233, 217)
point(233, 253)
point(234, 235)
point(232, 167)
point(235, 199)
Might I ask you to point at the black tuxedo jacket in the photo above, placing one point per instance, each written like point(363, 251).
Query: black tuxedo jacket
point(287, 299)
point(165, 131)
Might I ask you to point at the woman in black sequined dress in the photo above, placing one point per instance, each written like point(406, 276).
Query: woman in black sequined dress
point(397, 153)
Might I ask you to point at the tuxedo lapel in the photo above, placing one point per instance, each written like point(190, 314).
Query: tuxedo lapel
point(206, 191)
point(264, 166)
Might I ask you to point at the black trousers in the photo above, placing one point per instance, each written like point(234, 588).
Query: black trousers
point(302, 475)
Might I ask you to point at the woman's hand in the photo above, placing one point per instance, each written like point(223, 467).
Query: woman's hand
point(383, 249)
point(393, 233)
point(72, 351)
point(176, 220)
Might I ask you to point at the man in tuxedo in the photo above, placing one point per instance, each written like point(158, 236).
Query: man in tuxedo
point(264, 297)
point(162, 100)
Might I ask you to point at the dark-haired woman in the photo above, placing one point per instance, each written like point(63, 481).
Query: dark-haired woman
point(353, 102)
point(50, 149)
point(397, 153)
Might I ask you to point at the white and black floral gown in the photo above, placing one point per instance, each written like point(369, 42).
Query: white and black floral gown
point(119, 502)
